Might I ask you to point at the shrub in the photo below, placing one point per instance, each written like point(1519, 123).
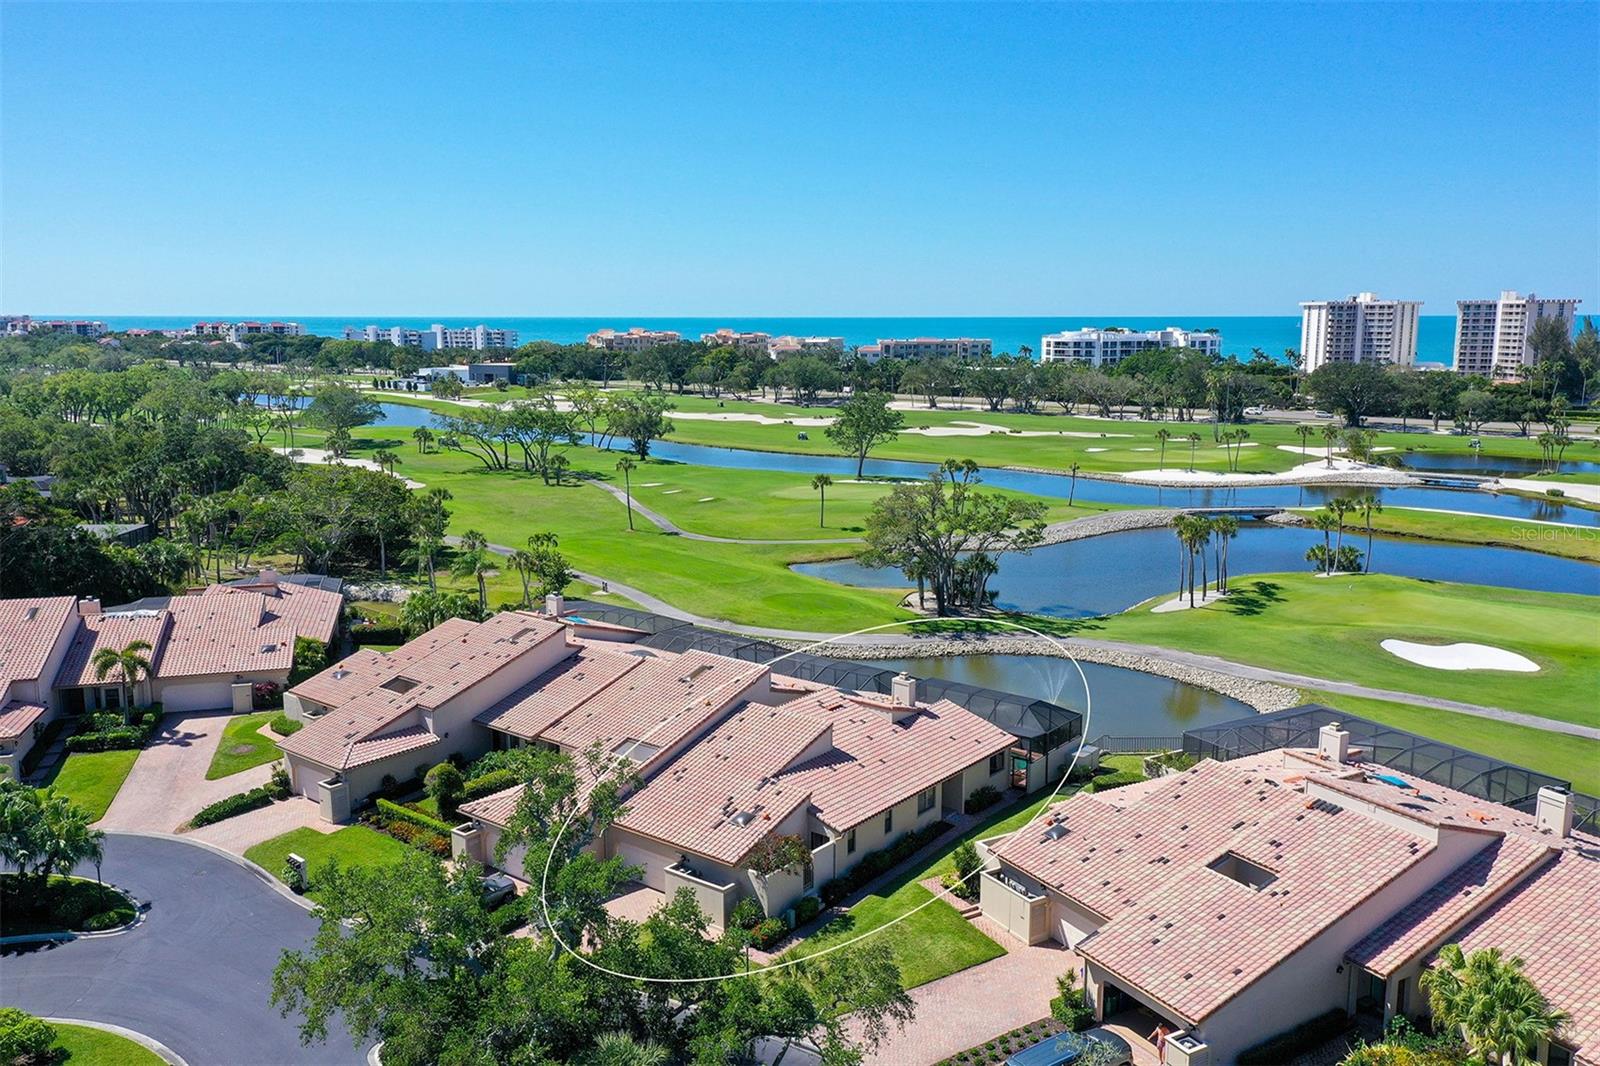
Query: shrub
point(279, 784)
point(24, 1039)
point(485, 784)
point(1303, 1037)
point(834, 892)
point(418, 836)
point(110, 740)
point(446, 785)
point(378, 633)
point(1555, 493)
point(746, 913)
point(982, 799)
point(768, 932)
point(968, 862)
point(808, 908)
point(310, 656)
point(265, 695)
point(285, 726)
point(96, 923)
point(1068, 1007)
point(388, 810)
point(232, 806)
point(774, 853)
point(1105, 782)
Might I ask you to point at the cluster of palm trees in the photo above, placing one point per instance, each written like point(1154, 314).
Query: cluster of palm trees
point(1501, 1016)
point(1333, 555)
point(542, 568)
point(43, 833)
point(1196, 533)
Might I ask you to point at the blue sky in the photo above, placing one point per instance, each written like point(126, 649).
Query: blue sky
point(764, 159)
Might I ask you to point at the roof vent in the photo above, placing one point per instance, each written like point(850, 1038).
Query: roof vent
point(744, 818)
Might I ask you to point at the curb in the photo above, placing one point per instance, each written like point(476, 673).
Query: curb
point(64, 936)
point(238, 860)
point(150, 1044)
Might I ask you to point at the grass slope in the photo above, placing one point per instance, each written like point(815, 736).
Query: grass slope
point(79, 1045)
point(91, 779)
point(1332, 628)
point(1571, 542)
point(242, 746)
point(354, 845)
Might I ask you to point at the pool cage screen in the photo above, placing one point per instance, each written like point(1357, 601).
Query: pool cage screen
point(1443, 764)
point(1039, 724)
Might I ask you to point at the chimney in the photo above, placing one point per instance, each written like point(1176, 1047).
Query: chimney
point(267, 576)
point(1554, 811)
point(904, 690)
point(1333, 743)
point(555, 605)
point(88, 608)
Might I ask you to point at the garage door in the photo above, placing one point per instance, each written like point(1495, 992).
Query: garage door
point(513, 862)
point(653, 858)
point(200, 696)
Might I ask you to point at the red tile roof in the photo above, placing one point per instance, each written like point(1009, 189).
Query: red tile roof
point(223, 635)
point(16, 717)
point(545, 700)
point(313, 612)
point(28, 632)
point(115, 631)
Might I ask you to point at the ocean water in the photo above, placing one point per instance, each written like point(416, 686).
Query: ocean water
point(1240, 334)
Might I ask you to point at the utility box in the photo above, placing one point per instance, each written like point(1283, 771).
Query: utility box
point(297, 869)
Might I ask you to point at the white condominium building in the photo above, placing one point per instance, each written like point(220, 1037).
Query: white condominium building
point(1108, 347)
point(785, 346)
point(1362, 329)
point(927, 348)
point(634, 340)
point(1492, 335)
point(233, 331)
point(436, 337)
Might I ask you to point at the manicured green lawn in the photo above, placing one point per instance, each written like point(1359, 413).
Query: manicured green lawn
point(80, 1045)
point(354, 845)
point(91, 779)
point(1570, 541)
point(1331, 627)
point(1572, 758)
point(243, 746)
point(935, 941)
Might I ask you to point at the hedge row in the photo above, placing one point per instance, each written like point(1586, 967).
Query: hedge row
point(876, 862)
point(285, 726)
point(239, 803)
point(483, 785)
point(118, 737)
point(1303, 1037)
point(390, 809)
point(378, 633)
point(1109, 781)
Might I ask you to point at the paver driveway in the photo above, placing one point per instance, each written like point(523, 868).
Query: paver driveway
point(168, 782)
point(196, 974)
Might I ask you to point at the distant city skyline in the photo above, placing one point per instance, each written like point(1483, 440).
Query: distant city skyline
point(792, 160)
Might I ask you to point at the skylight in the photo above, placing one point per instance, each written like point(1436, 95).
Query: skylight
point(1236, 867)
point(399, 684)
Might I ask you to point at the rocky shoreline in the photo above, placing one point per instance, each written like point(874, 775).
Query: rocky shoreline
point(1264, 696)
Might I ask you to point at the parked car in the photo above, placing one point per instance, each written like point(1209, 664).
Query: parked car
point(1255, 410)
point(1067, 1048)
point(1323, 414)
point(497, 889)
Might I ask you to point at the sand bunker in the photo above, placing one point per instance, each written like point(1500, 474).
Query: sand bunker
point(1460, 656)
point(760, 420)
point(325, 458)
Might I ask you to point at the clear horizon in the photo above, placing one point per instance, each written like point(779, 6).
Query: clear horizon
point(994, 158)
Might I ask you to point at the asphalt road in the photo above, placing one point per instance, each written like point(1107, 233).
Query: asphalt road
point(196, 974)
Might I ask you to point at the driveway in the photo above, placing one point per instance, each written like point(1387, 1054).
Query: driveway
point(167, 784)
point(196, 974)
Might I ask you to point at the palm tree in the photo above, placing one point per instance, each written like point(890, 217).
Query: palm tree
point(385, 458)
point(130, 664)
point(1239, 437)
point(1162, 436)
point(1226, 527)
point(1194, 442)
point(1488, 998)
point(1325, 523)
point(1330, 437)
point(1305, 432)
point(45, 832)
point(821, 483)
point(1339, 507)
point(625, 466)
point(621, 1049)
point(423, 436)
point(523, 562)
point(473, 560)
point(1072, 490)
point(556, 467)
point(1368, 504)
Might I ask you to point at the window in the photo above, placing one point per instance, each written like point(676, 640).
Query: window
point(888, 823)
point(997, 762)
point(1559, 1056)
point(925, 799)
point(112, 698)
point(850, 842)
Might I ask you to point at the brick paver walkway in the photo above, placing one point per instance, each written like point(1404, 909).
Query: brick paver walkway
point(978, 1003)
point(167, 784)
point(238, 833)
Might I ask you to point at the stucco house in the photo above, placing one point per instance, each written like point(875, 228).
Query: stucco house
point(1238, 899)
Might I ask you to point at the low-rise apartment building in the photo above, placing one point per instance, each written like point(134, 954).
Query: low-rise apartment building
point(1493, 336)
point(1108, 347)
point(788, 345)
point(207, 648)
point(236, 331)
point(1360, 329)
point(730, 755)
point(78, 327)
point(633, 340)
point(927, 348)
point(744, 341)
point(436, 337)
point(1238, 899)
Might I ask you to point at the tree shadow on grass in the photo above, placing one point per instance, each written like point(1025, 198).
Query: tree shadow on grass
point(1252, 599)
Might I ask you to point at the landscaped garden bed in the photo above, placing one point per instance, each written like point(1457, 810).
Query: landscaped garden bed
point(1007, 1044)
point(67, 905)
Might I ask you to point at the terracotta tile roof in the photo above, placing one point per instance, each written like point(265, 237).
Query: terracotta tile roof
point(724, 794)
point(539, 704)
point(1552, 922)
point(1186, 933)
point(17, 717)
point(422, 673)
point(223, 635)
point(372, 749)
point(1423, 923)
point(115, 631)
point(313, 612)
point(496, 808)
point(876, 763)
point(348, 678)
point(28, 632)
